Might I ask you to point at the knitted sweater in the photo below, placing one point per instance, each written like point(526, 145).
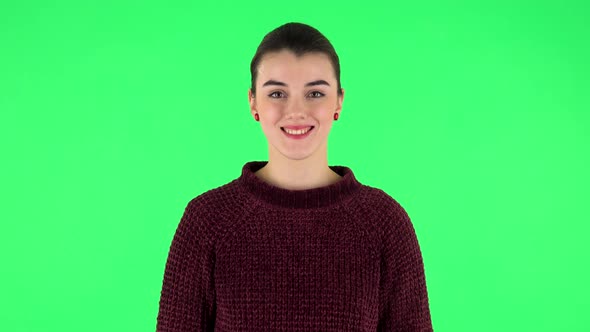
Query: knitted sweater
point(250, 256)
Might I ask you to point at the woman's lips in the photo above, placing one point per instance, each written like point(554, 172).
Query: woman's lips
point(297, 127)
point(302, 136)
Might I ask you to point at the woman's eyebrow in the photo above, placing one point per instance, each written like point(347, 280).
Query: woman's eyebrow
point(313, 83)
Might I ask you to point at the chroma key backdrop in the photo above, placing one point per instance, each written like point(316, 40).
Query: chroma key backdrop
point(474, 115)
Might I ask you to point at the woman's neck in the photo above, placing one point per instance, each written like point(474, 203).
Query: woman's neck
point(297, 175)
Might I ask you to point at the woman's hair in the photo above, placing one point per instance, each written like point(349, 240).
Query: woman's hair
point(298, 38)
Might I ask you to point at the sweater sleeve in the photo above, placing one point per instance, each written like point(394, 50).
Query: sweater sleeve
point(187, 298)
point(403, 300)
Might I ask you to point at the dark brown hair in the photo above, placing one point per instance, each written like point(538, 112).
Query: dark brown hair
point(298, 38)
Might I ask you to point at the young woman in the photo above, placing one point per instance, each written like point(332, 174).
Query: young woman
point(294, 244)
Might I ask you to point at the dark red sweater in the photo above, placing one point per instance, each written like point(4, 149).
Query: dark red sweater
point(250, 256)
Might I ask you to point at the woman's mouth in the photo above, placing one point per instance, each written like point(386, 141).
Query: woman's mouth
point(297, 134)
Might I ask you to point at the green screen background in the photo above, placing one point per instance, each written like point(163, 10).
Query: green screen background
point(473, 115)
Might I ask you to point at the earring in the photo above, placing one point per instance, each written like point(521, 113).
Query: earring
point(257, 117)
point(335, 116)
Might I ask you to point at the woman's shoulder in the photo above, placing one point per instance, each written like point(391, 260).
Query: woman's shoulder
point(378, 198)
point(208, 214)
point(215, 199)
point(383, 207)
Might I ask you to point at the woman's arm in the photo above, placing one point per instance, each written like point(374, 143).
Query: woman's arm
point(403, 300)
point(187, 300)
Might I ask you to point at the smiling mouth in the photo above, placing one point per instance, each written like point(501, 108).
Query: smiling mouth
point(308, 130)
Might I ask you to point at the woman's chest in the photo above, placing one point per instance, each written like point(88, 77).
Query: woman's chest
point(298, 266)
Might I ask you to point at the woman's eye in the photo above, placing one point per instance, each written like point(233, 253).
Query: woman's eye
point(316, 94)
point(276, 94)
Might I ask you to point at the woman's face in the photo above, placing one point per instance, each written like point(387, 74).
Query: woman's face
point(296, 91)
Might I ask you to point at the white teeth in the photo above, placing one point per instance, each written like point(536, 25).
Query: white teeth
point(297, 132)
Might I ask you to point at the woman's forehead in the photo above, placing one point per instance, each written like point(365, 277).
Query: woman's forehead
point(286, 64)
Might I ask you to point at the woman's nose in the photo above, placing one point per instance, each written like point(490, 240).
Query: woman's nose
point(295, 109)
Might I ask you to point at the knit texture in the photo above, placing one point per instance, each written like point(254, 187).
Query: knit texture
point(250, 256)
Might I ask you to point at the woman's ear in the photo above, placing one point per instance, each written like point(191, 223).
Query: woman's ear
point(339, 101)
point(252, 102)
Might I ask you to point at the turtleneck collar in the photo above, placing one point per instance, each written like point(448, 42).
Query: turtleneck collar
point(307, 198)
